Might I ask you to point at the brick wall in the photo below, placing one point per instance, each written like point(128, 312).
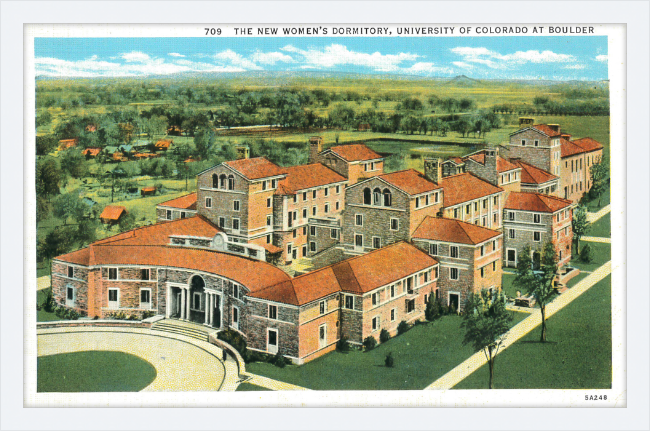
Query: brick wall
point(322, 238)
point(286, 324)
point(541, 156)
point(222, 200)
point(79, 281)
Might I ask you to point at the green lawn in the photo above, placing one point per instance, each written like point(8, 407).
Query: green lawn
point(605, 200)
point(577, 355)
point(244, 387)
point(42, 315)
point(601, 227)
point(601, 253)
point(421, 356)
point(93, 371)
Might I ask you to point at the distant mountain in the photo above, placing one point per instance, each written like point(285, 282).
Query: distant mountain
point(463, 81)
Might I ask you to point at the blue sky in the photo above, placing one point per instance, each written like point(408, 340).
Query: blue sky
point(543, 57)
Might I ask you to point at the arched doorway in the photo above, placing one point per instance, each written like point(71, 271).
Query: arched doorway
point(197, 299)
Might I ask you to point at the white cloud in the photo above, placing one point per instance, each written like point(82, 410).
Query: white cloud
point(533, 56)
point(135, 56)
point(425, 68)
point(233, 59)
point(496, 60)
point(576, 66)
point(175, 54)
point(462, 64)
point(338, 55)
point(603, 58)
point(271, 57)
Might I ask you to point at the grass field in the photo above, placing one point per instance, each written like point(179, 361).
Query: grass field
point(42, 315)
point(577, 355)
point(244, 387)
point(601, 227)
point(601, 254)
point(93, 371)
point(421, 356)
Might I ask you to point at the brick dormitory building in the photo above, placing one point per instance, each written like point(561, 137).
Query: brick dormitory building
point(295, 258)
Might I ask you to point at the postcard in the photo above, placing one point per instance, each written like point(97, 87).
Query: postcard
point(326, 215)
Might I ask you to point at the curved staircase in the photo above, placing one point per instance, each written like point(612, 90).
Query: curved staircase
point(180, 327)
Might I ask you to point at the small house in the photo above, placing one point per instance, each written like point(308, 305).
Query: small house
point(64, 144)
point(147, 191)
point(163, 145)
point(112, 214)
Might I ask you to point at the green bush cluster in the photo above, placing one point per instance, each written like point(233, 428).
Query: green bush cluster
point(66, 313)
point(389, 361)
point(343, 345)
point(384, 336)
point(586, 254)
point(369, 343)
point(402, 327)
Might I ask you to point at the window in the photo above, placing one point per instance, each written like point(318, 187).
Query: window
point(433, 249)
point(145, 298)
point(387, 198)
point(295, 233)
point(375, 298)
point(70, 271)
point(326, 190)
point(468, 208)
point(523, 142)
point(144, 274)
point(112, 273)
point(349, 302)
point(313, 211)
point(338, 189)
point(453, 251)
point(231, 182)
point(482, 250)
point(322, 336)
point(475, 207)
point(484, 203)
point(417, 202)
point(376, 242)
point(273, 312)
point(268, 239)
point(235, 290)
point(483, 272)
point(168, 215)
point(183, 215)
point(455, 212)
point(453, 273)
point(494, 245)
point(394, 224)
point(358, 220)
point(304, 230)
point(322, 307)
point(235, 224)
point(304, 250)
point(222, 181)
point(264, 185)
point(304, 213)
point(367, 196)
point(69, 296)
point(536, 143)
point(268, 202)
point(274, 184)
point(312, 246)
point(215, 181)
point(333, 234)
point(269, 220)
point(494, 266)
point(537, 218)
point(312, 230)
point(435, 197)
point(338, 205)
point(496, 201)
point(376, 197)
point(304, 196)
point(511, 215)
point(313, 194)
point(208, 202)
point(222, 222)
point(235, 205)
point(536, 236)
point(410, 306)
point(375, 323)
point(511, 233)
point(392, 291)
point(327, 207)
point(113, 298)
point(392, 315)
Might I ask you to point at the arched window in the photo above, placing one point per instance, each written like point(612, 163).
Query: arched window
point(231, 182)
point(215, 181)
point(222, 180)
point(366, 196)
point(387, 198)
point(376, 197)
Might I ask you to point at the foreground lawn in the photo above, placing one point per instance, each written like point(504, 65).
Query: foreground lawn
point(578, 354)
point(42, 315)
point(601, 254)
point(605, 199)
point(421, 355)
point(601, 227)
point(244, 387)
point(94, 371)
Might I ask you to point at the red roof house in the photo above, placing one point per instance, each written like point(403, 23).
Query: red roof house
point(112, 214)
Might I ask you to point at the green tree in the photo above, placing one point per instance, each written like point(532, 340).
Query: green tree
point(43, 208)
point(46, 144)
point(432, 309)
point(43, 118)
point(70, 205)
point(48, 178)
point(580, 225)
point(204, 141)
point(74, 163)
point(410, 124)
point(598, 172)
point(127, 221)
point(464, 126)
point(55, 243)
point(86, 231)
point(539, 284)
point(486, 323)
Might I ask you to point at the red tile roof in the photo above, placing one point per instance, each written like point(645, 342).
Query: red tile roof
point(588, 144)
point(256, 168)
point(355, 152)
point(112, 212)
point(465, 187)
point(451, 230)
point(186, 202)
point(92, 151)
point(503, 165)
point(358, 275)
point(568, 148)
point(163, 143)
point(303, 177)
point(80, 257)
point(546, 130)
point(410, 181)
point(457, 160)
point(532, 174)
point(536, 202)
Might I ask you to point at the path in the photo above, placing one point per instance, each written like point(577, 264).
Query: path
point(43, 282)
point(596, 239)
point(181, 363)
point(477, 360)
point(592, 217)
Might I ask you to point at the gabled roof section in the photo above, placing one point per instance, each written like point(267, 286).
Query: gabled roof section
point(410, 181)
point(112, 212)
point(455, 231)
point(80, 257)
point(255, 168)
point(354, 152)
point(535, 202)
point(186, 202)
point(503, 165)
point(569, 148)
point(588, 144)
point(532, 174)
point(303, 177)
point(455, 160)
point(545, 129)
point(465, 187)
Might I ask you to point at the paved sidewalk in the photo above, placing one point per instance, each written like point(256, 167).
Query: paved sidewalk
point(477, 360)
point(596, 239)
point(43, 282)
point(592, 217)
point(274, 385)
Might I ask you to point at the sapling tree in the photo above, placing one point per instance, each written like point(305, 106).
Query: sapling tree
point(598, 172)
point(486, 322)
point(580, 225)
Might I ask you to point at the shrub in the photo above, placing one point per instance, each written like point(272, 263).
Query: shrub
point(133, 317)
point(255, 356)
point(586, 254)
point(235, 339)
point(60, 312)
point(432, 310)
point(389, 361)
point(279, 360)
point(369, 343)
point(384, 336)
point(343, 345)
point(147, 314)
point(403, 327)
point(444, 309)
point(72, 315)
point(49, 304)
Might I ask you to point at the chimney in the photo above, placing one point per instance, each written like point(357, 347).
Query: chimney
point(526, 121)
point(433, 169)
point(566, 136)
point(491, 159)
point(555, 127)
point(315, 147)
point(243, 152)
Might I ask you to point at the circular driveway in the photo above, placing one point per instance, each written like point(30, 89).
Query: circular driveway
point(181, 365)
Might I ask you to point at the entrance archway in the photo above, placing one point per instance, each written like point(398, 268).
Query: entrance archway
point(197, 299)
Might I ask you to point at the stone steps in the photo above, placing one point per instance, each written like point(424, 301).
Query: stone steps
point(193, 330)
